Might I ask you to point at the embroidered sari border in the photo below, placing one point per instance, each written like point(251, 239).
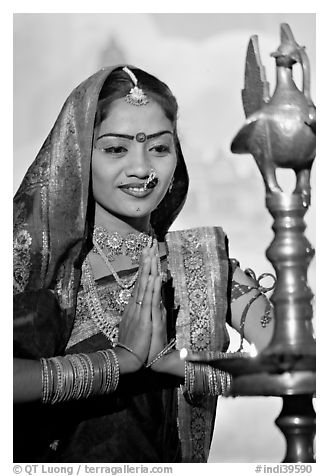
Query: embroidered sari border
point(198, 264)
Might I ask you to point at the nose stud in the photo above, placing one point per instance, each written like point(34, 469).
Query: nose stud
point(141, 137)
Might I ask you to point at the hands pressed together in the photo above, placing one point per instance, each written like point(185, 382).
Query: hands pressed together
point(143, 327)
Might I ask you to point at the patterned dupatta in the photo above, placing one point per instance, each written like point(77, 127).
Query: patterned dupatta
point(198, 264)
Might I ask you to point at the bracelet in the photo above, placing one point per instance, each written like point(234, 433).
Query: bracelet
point(266, 318)
point(202, 379)
point(123, 346)
point(162, 353)
point(77, 376)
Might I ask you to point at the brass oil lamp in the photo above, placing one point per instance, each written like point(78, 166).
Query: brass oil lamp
point(280, 133)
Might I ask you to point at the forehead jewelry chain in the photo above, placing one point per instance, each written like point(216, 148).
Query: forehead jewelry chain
point(136, 96)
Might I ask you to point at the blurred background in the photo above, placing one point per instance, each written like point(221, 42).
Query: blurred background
point(201, 56)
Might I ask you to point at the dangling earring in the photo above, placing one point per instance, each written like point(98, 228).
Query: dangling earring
point(171, 184)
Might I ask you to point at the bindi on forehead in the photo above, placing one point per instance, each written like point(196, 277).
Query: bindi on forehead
point(140, 136)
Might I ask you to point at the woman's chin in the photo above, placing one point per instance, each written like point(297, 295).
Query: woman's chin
point(138, 213)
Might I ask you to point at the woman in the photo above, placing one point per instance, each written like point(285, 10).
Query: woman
point(105, 297)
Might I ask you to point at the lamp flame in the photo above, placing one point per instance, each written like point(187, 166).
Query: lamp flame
point(253, 351)
point(183, 354)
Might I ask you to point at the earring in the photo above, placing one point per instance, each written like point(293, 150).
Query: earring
point(171, 184)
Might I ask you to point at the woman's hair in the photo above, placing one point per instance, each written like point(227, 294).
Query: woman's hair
point(118, 84)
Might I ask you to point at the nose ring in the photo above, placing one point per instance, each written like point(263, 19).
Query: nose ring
point(151, 180)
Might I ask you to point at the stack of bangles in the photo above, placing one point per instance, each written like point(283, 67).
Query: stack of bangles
point(203, 379)
point(78, 376)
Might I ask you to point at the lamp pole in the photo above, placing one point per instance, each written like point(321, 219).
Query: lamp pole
point(279, 132)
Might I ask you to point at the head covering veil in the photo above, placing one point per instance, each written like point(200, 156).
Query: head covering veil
point(51, 226)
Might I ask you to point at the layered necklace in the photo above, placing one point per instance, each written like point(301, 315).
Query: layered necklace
point(109, 245)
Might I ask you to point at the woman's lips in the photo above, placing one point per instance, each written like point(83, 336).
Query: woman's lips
point(137, 190)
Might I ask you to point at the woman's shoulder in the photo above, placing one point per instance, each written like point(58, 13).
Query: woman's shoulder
point(200, 230)
point(209, 241)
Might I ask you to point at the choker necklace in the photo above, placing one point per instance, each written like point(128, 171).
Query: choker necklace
point(114, 244)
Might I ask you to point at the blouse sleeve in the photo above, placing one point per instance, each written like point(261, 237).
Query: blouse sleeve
point(39, 325)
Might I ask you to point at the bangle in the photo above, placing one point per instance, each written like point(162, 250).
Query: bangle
point(261, 290)
point(77, 376)
point(200, 379)
point(162, 353)
point(123, 346)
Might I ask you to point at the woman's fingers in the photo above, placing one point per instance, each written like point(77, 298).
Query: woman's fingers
point(142, 280)
point(147, 299)
point(156, 297)
point(154, 266)
point(148, 266)
point(158, 309)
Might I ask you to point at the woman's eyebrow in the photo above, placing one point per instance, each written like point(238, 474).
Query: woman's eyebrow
point(126, 136)
point(157, 134)
point(112, 134)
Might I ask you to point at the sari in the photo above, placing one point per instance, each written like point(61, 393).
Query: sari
point(149, 418)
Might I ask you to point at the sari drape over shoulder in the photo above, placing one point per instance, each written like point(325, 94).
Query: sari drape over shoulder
point(199, 266)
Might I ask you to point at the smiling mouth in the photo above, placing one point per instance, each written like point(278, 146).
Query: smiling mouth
point(139, 190)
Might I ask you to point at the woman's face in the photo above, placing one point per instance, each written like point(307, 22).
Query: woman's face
point(121, 164)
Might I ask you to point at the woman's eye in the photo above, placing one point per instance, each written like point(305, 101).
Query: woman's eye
point(160, 149)
point(119, 150)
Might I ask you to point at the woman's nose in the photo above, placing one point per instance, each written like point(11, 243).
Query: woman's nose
point(139, 163)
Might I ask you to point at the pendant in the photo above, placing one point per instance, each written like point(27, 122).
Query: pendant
point(123, 296)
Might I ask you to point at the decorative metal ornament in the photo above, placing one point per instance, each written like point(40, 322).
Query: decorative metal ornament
point(141, 137)
point(136, 96)
point(279, 131)
point(171, 184)
point(114, 244)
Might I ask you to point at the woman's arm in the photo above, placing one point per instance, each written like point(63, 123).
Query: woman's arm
point(27, 382)
point(27, 379)
point(134, 334)
point(254, 332)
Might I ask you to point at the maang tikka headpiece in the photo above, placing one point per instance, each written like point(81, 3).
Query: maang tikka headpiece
point(136, 95)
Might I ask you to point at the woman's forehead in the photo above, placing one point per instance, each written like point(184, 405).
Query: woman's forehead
point(130, 119)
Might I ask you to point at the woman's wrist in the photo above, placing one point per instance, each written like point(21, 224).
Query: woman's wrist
point(128, 361)
point(171, 364)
